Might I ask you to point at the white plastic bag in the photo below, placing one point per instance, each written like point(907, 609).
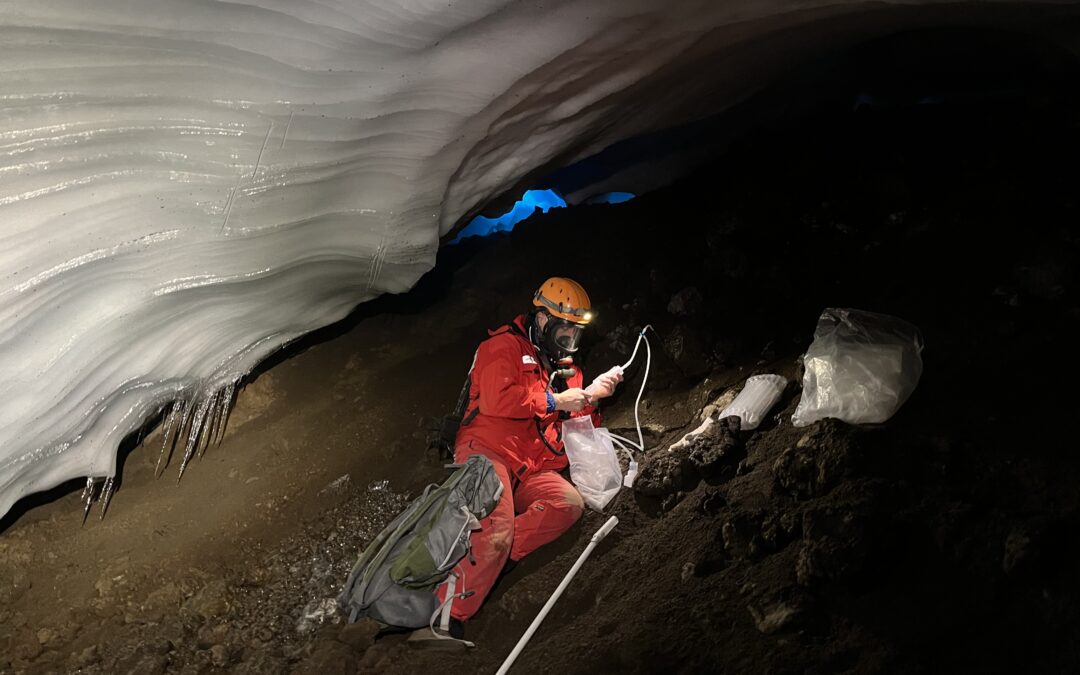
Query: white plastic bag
point(594, 468)
point(860, 368)
point(758, 396)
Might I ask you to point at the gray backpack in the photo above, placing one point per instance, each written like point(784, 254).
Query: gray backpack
point(395, 578)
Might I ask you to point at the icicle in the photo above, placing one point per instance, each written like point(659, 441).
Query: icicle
point(106, 494)
point(211, 423)
point(227, 402)
point(88, 496)
point(220, 406)
point(194, 433)
point(169, 421)
point(186, 407)
point(198, 423)
point(185, 415)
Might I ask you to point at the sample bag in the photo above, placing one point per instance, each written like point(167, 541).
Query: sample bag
point(594, 468)
point(394, 580)
point(860, 368)
point(758, 396)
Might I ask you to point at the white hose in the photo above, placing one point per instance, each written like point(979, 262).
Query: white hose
point(596, 538)
point(640, 445)
point(633, 354)
point(615, 440)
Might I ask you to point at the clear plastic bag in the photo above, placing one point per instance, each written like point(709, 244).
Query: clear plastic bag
point(860, 368)
point(594, 468)
point(757, 397)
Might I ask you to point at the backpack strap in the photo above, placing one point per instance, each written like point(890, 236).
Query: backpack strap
point(444, 616)
point(463, 397)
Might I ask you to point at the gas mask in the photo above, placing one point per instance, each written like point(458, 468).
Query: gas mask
point(560, 339)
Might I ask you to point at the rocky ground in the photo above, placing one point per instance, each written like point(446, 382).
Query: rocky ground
point(943, 540)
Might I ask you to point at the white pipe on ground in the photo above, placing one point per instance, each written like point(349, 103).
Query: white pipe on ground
point(596, 539)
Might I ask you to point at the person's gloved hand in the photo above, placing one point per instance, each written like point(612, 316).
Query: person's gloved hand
point(571, 400)
point(604, 385)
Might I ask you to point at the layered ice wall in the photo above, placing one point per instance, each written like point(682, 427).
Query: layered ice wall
point(187, 185)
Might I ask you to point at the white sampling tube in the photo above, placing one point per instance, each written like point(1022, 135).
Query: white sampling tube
point(617, 438)
point(632, 471)
point(632, 465)
point(615, 442)
point(596, 538)
point(633, 355)
point(637, 403)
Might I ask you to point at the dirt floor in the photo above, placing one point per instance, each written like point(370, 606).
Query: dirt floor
point(941, 541)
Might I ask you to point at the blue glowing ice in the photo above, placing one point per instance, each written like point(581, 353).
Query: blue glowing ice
point(481, 226)
point(611, 198)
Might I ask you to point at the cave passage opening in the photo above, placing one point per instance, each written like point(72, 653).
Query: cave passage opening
point(537, 199)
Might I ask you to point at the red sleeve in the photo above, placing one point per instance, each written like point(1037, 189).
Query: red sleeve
point(505, 391)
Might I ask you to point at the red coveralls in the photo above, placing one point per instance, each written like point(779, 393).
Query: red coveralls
point(507, 397)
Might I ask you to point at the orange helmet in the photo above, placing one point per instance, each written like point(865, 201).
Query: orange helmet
point(565, 299)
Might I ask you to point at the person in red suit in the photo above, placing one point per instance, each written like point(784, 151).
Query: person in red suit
point(523, 385)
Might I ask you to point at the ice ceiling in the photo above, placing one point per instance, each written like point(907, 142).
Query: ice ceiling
point(187, 185)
